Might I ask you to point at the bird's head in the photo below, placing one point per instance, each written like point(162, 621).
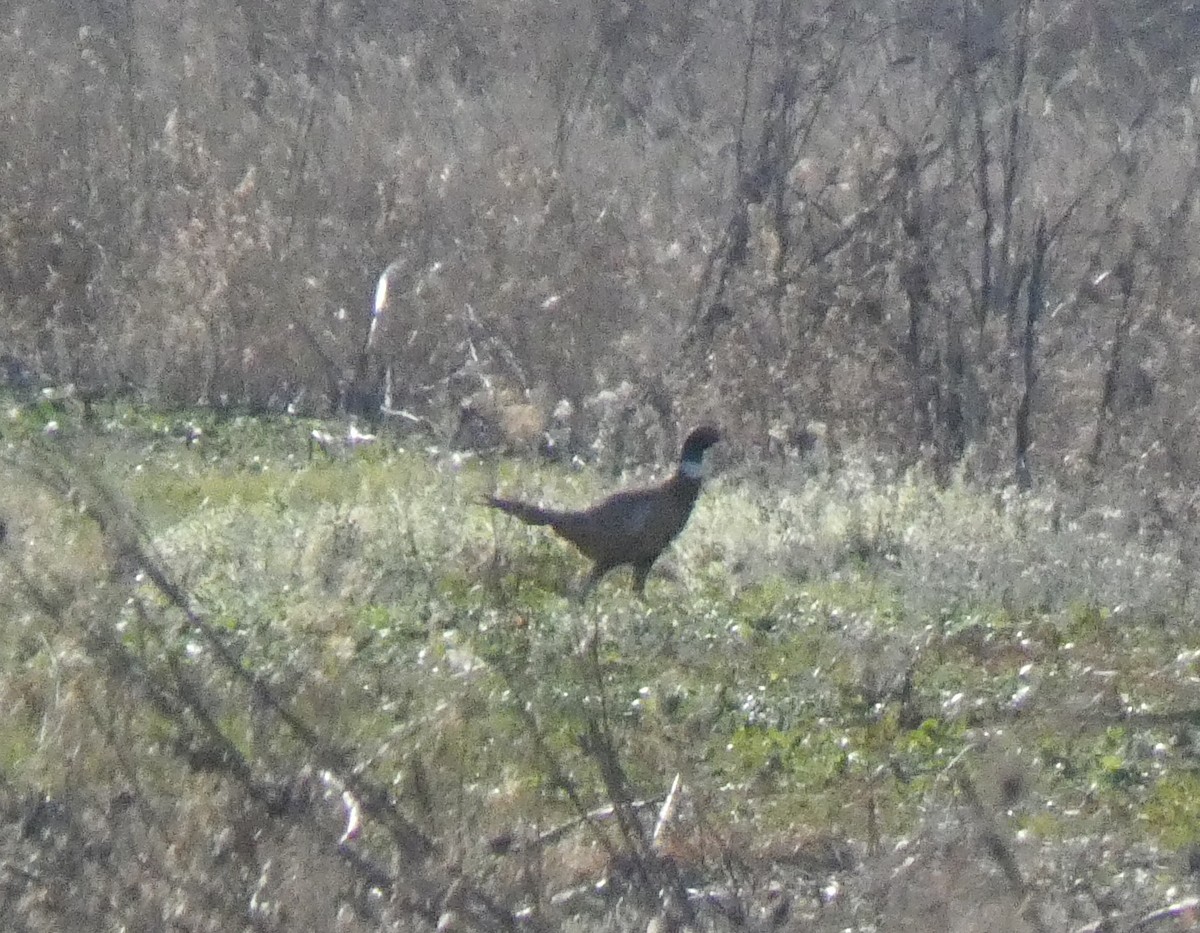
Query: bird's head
point(691, 461)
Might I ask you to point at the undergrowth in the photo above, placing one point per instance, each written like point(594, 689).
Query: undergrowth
point(223, 663)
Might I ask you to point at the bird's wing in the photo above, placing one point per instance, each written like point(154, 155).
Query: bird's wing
point(634, 516)
point(625, 517)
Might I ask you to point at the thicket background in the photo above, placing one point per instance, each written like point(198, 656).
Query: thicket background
point(955, 235)
point(783, 214)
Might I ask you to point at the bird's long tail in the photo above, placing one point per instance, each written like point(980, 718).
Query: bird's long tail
point(529, 514)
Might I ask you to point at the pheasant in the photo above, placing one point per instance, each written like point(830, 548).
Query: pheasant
point(632, 527)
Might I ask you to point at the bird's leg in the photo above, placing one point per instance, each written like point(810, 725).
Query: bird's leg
point(640, 572)
point(592, 579)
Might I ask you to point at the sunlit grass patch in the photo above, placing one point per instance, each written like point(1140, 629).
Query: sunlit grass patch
point(1173, 809)
point(830, 660)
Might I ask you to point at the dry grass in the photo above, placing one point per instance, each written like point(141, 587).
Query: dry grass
point(189, 704)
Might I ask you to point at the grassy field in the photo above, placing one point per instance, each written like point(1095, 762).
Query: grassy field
point(244, 688)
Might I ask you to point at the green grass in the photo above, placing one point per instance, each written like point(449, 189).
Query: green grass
point(808, 658)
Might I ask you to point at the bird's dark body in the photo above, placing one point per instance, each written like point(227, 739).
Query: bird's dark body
point(632, 527)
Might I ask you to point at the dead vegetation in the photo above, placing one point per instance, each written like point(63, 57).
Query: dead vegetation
point(930, 267)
